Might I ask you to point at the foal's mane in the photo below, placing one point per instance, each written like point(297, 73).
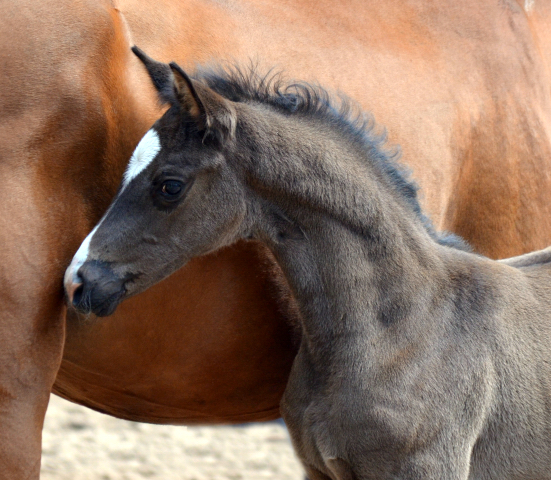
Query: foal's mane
point(246, 85)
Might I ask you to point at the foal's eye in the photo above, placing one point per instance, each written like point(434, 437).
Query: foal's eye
point(168, 192)
point(171, 188)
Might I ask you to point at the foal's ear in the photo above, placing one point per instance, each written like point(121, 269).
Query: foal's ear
point(161, 76)
point(214, 115)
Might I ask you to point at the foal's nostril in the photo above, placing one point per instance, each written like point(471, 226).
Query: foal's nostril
point(77, 295)
point(95, 288)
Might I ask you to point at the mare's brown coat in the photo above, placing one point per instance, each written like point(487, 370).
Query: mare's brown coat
point(463, 87)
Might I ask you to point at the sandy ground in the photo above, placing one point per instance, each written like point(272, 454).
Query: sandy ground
point(80, 444)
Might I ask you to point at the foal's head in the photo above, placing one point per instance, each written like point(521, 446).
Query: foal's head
point(188, 187)
point(170, 207)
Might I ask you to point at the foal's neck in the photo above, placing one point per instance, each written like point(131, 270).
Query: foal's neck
point(354, 253)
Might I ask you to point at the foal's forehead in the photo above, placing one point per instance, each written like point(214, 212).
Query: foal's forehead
point(144, 154)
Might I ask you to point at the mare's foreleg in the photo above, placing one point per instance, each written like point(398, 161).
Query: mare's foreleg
point(31, 337)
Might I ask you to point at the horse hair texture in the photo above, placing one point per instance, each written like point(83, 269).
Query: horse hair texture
point(246, 84)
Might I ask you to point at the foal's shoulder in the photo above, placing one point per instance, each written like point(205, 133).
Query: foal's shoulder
point(532, 259)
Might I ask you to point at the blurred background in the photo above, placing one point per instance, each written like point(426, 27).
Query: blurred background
point(80, 444)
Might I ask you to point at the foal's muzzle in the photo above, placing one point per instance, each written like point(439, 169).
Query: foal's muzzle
point(95, 289)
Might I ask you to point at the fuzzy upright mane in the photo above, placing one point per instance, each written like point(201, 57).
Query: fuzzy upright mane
point(248, 86)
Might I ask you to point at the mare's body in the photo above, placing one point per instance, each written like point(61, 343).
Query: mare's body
point(462, 87)
point(417, 360)
point(468, 106)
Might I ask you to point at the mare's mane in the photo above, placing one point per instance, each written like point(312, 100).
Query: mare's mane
point(248, 86)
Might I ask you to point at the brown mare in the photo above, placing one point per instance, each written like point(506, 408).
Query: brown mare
point(463, 87)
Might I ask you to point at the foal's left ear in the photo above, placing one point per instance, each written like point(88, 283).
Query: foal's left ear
point(214, 115)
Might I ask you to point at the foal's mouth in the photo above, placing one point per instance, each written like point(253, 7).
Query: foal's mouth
point(83, 302)
point(97, 290)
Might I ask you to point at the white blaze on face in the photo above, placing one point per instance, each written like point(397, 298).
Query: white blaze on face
point(145, 152)
point(71, 279)
point(143, 155)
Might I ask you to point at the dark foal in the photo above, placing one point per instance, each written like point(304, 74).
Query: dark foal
point(417, 360)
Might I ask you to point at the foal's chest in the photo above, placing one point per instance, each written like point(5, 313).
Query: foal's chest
point(327, 414)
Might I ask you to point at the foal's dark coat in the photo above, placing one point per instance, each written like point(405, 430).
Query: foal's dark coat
point(417, 361)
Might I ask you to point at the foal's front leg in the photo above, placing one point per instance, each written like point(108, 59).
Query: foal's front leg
point(437, 463)
point(449, 460)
